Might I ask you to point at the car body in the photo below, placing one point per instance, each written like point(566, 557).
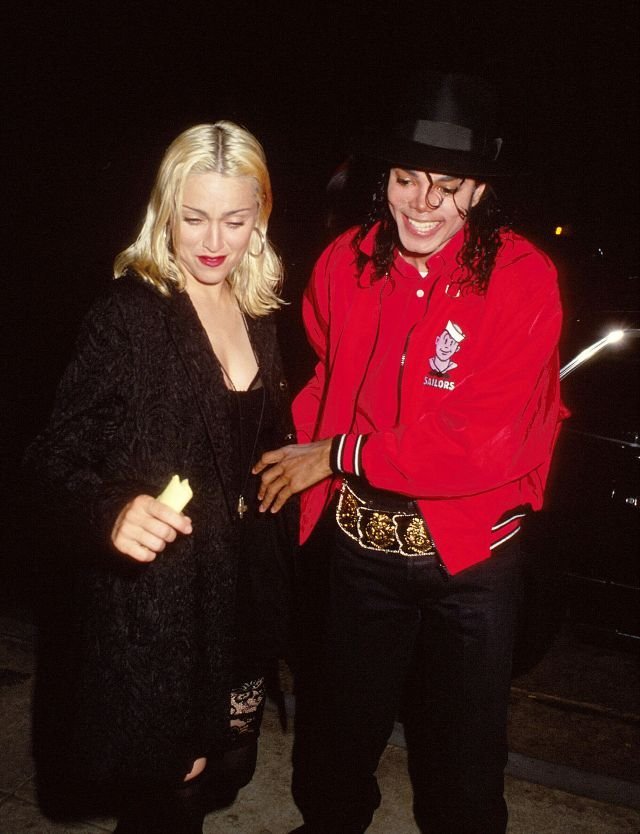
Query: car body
point(583, 564)
point(593, 501)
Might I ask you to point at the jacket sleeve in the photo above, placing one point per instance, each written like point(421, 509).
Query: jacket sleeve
point(63, 466)
point(316, 316)
point(500, 422)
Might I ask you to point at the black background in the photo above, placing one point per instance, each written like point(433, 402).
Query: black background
point(95, 92)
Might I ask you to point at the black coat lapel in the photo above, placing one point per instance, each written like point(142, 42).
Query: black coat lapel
point(262, 332)
point(205, 377)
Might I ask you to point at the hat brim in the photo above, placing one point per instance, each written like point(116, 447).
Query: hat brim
point(421, 157)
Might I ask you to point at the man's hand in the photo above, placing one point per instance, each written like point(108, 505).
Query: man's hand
point(289, 470)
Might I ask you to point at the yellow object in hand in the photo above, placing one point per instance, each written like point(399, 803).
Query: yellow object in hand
point(176, 494)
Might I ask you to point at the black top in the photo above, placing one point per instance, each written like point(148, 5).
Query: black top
point(261, 620)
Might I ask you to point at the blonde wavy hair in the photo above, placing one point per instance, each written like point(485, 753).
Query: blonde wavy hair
point(223, 148)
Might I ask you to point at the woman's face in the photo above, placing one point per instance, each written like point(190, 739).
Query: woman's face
point(213, 226)
point(427, 207)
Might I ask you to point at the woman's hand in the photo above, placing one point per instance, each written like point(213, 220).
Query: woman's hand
point(145, 526)
point(289, 470)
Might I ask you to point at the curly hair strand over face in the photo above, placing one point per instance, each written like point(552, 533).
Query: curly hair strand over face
point(476, 259)
point(223, 148)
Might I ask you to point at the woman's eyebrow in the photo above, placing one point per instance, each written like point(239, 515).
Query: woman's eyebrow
point(225, 214)
point(196, 210)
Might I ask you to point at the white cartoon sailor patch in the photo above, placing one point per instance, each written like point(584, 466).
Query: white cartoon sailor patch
point(447, 345)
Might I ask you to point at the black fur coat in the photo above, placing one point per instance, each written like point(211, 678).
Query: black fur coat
point(135, 659)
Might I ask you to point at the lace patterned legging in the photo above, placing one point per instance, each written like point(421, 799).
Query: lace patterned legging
point(247, 706)
point(234, 768)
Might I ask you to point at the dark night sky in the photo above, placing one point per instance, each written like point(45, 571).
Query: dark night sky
point(100, 89)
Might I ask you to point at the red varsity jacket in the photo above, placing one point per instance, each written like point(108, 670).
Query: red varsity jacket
point(476, 427)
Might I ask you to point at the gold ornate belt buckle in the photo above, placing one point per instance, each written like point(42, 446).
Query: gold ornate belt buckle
point(403, 533)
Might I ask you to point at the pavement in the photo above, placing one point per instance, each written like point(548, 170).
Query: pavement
point(573, 765)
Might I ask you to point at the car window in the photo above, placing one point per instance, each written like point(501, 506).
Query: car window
point(603, 393)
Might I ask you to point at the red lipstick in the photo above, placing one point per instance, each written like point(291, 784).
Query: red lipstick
point(212, 262)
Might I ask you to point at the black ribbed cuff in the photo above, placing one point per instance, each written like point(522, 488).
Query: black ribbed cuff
point(345, 457)
point(336, 451)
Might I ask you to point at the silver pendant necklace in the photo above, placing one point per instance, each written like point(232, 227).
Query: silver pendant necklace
point(242, 506)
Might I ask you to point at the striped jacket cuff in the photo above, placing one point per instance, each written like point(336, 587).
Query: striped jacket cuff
point(346, 454)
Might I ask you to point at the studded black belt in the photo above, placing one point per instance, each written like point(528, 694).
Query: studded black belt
point(374, 528)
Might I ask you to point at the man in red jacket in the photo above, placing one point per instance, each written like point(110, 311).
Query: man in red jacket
point(424, 437)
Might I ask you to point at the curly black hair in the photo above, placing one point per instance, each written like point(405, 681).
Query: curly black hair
point(476, 259)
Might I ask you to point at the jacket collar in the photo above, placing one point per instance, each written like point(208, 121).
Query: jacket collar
point(204, 375)
point(445, 260)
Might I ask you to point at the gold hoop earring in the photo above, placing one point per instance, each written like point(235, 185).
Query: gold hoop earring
point(263, 243)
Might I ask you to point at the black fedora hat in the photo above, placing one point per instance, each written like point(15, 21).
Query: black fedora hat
point(447, 125)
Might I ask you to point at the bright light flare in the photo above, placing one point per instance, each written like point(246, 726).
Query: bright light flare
point(615, 336)
point(586, 354)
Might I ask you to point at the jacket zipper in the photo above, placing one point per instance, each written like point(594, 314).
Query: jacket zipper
point(441, 565)
point(403, 358)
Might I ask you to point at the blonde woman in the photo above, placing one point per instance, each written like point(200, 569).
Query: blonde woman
point(176, 615)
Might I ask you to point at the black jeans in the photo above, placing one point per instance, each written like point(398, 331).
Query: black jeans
point(386, 636)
